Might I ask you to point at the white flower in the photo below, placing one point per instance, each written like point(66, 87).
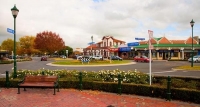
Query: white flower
point(124, 79)
point(115, 79)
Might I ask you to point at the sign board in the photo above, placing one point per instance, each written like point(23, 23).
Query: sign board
point(139, 38)
point(90, 43)
point(66, 51)
point(125, 49)
point(10, 30)
point(133, 44)
point(113, 49)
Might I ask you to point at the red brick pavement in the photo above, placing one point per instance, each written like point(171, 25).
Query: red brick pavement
point(75, 98)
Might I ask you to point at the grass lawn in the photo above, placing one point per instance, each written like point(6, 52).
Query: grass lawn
point(95, 62)
point(188, 67)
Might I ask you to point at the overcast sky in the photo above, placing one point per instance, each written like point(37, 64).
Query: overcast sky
point(77, 20)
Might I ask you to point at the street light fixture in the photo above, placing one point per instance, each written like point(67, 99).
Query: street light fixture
point(15, 13)
point(192, 24)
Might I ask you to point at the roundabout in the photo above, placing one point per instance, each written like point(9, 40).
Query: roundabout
point(87, 65)
point(163, 68)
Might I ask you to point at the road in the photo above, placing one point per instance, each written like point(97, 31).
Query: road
point(163, 68)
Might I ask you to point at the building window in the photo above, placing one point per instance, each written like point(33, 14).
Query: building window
point(104, 44)
point(110, 43)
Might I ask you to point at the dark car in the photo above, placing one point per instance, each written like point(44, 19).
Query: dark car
point(43, 58)
point(141, 59)
point(116, 58)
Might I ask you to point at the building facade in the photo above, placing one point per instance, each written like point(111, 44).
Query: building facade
point(108, 46)
point(163, 48)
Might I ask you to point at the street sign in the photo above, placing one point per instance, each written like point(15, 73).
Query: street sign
point(139, 38)
point(90, 43)
point(10, 30)
point(125, 49)
point(133, 44)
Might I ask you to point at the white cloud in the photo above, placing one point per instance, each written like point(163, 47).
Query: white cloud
point(77, 20)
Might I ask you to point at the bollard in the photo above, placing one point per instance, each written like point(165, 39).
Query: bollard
point(119, 85)
point(7, 79)
point(42, 72)
point(80, 81)
point(169, 88)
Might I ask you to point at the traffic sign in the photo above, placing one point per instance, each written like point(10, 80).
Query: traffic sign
point(139, 38)
point(133, 44)
point(10, 30)
point(90, 43)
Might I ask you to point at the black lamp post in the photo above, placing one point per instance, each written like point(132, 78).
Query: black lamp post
point(192, 24)
point(14, 13)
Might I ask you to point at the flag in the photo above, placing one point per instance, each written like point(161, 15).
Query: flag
point(150, 37)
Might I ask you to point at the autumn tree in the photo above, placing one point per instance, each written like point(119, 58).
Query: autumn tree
point(49, 42)
point(8, 44)
point(26, 44)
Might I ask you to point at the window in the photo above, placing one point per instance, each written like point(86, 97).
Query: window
point(104, 44)
point(110, 43)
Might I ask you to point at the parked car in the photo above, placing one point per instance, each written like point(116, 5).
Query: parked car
point(43, 58)
point(98, 57)
point(141, 59)
point(116, 58)
point(63, 56)
point(196, 58)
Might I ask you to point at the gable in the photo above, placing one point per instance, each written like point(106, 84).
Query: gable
point(164, 40)
point(143, 42)
point(153, 41)
point(189, 41)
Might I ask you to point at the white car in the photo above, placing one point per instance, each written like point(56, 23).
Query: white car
point(195, 59)
point(98, 57)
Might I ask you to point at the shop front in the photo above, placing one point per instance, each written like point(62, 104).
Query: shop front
point(124, 52)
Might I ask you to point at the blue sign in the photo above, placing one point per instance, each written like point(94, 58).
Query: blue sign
point(125, 49)
point(91, 43)
point(139, 38)
point(133, 44)
point(10, 30)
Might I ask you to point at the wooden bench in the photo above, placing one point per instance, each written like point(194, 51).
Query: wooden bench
point(39, 82)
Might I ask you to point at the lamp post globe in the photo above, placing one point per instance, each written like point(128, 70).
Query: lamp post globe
point(192, 24)
point(15, 13)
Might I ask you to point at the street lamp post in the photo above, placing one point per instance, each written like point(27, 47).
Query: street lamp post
point(14, 13)
point(192, 24)
point(92, 45)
